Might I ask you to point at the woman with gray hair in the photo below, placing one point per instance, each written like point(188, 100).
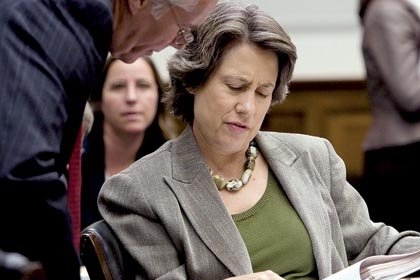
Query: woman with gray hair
point(225, 199)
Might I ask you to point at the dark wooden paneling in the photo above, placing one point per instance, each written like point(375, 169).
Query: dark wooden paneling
point(336, 110)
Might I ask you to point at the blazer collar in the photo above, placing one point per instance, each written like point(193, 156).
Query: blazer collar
point(193, 185)
point(303, 186)
point(194, 188)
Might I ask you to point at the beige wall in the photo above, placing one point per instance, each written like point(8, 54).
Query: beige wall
point(326, 34)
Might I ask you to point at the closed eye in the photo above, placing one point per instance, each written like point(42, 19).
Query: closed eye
point(237, 88)
point(117, 86)
point(143, 85)
point(265, 90)
point(263, 94)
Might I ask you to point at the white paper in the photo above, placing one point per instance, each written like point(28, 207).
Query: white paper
point(383, 267)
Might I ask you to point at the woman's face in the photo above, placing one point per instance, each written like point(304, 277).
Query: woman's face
point(230, 107)
point(129, 96)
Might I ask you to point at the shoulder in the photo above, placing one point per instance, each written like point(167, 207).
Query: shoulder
point(93, 143)
point(386, 6)
point(152, 166)
point(294, 141)
point(384, 11)
point(141, 185)
point(288, 147)
point(92, 8)
point(75, 7)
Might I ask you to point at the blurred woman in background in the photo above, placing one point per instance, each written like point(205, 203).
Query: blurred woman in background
point(126, 126)
point(391, 50)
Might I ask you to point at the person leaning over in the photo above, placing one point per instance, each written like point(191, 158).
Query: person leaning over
point(52, 52)
point(225, 199)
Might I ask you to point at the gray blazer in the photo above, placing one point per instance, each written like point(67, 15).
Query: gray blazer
point(169, 215)
point(391, 50)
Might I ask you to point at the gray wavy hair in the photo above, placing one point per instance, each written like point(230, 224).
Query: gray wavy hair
point(161, 7)
point(228, 23)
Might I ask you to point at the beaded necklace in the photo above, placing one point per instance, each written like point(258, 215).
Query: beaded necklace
point(237, 184)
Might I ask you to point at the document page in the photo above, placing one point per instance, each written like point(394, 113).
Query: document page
point(383, 267)
point(350, 273)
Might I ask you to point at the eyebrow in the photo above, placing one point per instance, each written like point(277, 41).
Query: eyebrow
point(268, 85)
point(241, 79)
point(143, 79)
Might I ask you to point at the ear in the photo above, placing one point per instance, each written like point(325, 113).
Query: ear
point(135, 5)
point(190, 90)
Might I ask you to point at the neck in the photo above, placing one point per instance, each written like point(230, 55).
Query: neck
point(227, 164)
point(120, 149)
point(234, 184)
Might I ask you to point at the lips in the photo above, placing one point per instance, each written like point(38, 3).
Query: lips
point(240, 125)
point(131, 115)
point(236, 128)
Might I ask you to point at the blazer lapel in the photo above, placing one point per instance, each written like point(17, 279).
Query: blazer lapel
point(193, 186)
point(299, 181)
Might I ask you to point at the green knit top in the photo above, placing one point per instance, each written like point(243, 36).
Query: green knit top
point(275, 236)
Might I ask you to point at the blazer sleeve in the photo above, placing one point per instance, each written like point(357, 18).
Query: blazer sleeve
point(362, 237)
point(127, 210)
point(390, 40)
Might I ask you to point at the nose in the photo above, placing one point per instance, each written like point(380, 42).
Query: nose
point(246, 103)
point(131, 94)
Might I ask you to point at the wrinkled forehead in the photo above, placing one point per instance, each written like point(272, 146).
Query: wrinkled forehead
point(195, 14)
point(161, 7)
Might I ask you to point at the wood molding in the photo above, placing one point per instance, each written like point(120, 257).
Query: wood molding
point(332, 85)
point(336, 110)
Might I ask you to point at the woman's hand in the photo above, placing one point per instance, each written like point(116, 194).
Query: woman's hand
point(264, 275)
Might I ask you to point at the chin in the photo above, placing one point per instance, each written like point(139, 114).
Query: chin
point(135, 129)
point(128, 58)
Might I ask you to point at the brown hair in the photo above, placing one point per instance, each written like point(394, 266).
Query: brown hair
point(227, 24)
